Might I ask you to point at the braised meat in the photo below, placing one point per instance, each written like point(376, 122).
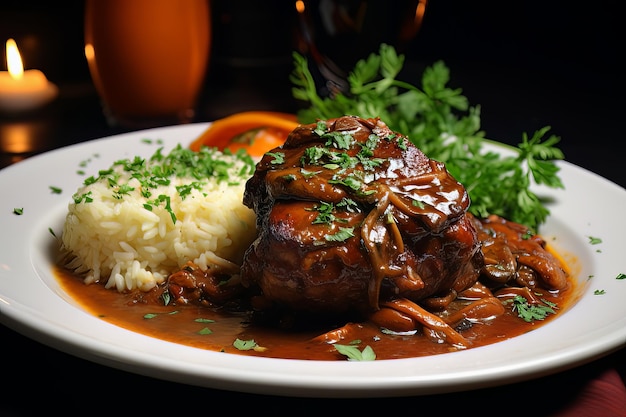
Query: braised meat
point(351, 215)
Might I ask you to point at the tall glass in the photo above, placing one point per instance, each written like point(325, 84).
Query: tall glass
point(148, 58)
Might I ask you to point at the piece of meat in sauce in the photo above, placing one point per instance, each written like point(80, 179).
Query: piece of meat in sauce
point(350, 214)
point(515, 256)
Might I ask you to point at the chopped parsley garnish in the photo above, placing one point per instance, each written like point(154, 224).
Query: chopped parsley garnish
point(279, 157)
point(248, 345)
point(339, 140)
point(417, 203)
point(143, 177)
point(353, 353)
point(342, 235)
point(149, 316)
point(308, 174)
point(594, 240)
point(352, 181)
point(203, 320)
point(325, 213)
point(122, 190)
point(531, 312)
point(83, 198)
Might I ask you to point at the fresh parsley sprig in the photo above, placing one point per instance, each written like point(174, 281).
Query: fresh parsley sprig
point(439, 120)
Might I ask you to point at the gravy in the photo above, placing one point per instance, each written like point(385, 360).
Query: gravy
point(216, 330)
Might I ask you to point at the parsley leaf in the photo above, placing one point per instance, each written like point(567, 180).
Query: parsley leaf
point(353, 353)
point(594, 240)
point(530, 312)
point(343, 234)
point(248, 345)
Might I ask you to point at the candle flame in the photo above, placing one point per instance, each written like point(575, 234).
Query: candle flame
point(300, 6)
point(14, 60)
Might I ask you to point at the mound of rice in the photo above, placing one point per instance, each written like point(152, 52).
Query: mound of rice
point(141, 220)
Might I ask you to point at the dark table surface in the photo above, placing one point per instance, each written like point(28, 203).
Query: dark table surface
point(526, 68)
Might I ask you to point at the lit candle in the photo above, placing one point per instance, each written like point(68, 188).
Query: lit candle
point(23, 90)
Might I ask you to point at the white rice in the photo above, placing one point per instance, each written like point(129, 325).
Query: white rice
point(123, 244)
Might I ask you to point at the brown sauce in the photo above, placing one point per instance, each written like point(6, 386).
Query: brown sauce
point(210, 329)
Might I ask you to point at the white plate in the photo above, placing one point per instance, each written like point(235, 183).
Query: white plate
point(32, 302)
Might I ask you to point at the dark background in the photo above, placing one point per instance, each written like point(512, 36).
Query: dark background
point(527, 64)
